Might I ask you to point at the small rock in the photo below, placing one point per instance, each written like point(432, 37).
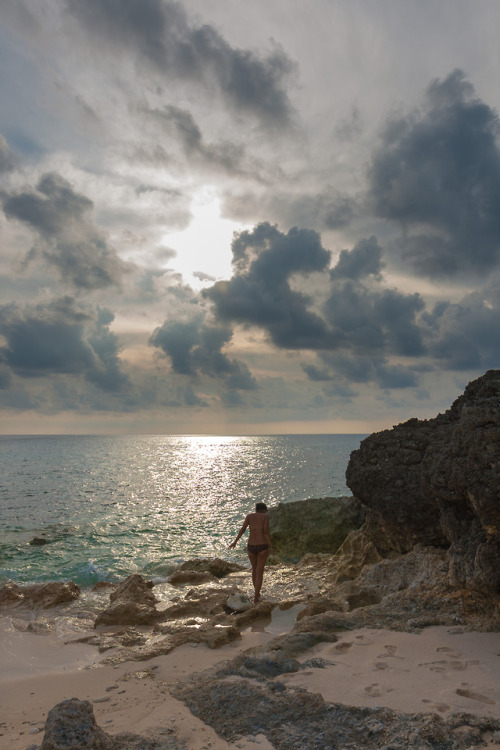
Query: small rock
point(238, 602)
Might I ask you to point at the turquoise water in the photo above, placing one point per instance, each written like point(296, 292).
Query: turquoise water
point(111, 506)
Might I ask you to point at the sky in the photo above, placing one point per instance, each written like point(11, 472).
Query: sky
point(220, 217)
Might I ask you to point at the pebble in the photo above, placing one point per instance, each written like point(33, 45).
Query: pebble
point(105, 699)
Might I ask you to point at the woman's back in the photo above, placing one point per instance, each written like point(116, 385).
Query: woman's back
point(258, 524)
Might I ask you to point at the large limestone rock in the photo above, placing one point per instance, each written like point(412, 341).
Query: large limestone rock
point(315, 525)
point(436, 482)
point(132, 603)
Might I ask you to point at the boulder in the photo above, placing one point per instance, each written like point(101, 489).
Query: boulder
point(39, 595)
point(132, 603)
point(237, 602)
point(71, 725)
point(215, 566)
point(134, 589)
point(436, 483)
point(183, 577)
point(315, 525)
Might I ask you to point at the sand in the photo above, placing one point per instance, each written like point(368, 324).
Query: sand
point(438, 670)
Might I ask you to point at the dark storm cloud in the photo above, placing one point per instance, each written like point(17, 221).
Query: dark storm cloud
point(357, 368)
point(364, 259)
point(259, 294)
point(161, 34)
point(464, 336)
point(376, 321)
point(195, 348)
point(359, 314)
point(61, 338)
point(437, 174)
point(69, 241)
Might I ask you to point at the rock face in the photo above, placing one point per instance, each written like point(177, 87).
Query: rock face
point(436, 482)
point(316, 525)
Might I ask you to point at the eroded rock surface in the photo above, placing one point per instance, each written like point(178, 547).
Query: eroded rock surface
point(315, 525)
point(436, 483)
point(39, 595)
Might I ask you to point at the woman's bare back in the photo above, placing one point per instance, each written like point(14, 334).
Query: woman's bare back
point(258, 524)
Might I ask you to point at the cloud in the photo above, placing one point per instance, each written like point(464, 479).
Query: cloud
point(161, 35)
point(224, 156)
point(436, 173)
point(195, 348)
point(464, 335)
point(345, 368)
point(61, 338)
point(69, 241)
point(260, 294)
point(363, 260)
point(320, 210)
point(7, 158)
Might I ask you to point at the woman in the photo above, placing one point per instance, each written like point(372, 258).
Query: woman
point(259, 544)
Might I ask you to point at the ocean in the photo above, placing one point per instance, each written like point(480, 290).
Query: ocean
point(109, 506)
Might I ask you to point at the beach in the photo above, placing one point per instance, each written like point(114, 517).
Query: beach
point(441, 670)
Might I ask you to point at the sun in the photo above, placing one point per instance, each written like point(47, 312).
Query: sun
point(203, 249)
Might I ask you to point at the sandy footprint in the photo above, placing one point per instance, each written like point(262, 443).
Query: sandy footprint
point(389, 652)
point(467, 693)
point(342, 647)
point(441, 665)
point(376, 690)
point(362, 640)
point(441, 707)
point(450, 651)
point(381, 665)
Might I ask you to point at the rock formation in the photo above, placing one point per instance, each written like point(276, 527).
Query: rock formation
point(132, 603)
point(315, 525)
point(38, 595)
point(213, 565)
point(71, 725)
point(436, 483)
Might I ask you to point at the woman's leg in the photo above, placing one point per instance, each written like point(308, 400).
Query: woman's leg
point(253, 559)
point(260, 562)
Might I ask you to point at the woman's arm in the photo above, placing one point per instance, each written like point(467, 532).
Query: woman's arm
point(240, 534)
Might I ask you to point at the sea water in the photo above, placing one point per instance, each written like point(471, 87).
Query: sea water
point(109, 506)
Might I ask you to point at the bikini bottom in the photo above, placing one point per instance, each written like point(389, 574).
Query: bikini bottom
point(254, 549)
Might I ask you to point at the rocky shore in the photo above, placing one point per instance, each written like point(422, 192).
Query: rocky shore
point(414, 553)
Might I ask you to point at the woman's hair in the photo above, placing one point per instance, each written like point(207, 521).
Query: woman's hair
point(260, 507)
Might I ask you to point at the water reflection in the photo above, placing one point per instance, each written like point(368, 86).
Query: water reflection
point(143, 502)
